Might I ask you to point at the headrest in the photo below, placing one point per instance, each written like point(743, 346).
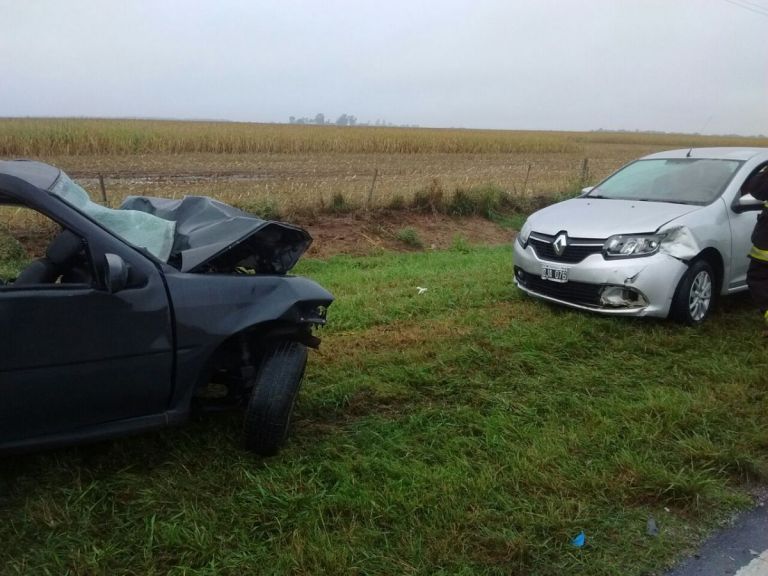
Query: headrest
point(63, 248)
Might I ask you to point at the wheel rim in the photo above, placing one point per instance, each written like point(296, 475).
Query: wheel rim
point(700, 296)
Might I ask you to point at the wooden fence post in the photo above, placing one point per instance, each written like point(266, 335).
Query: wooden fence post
point(525, 184)
point(103, 189)
point(585, 171)
point(370, 191)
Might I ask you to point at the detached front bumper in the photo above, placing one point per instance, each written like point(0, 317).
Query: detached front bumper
point(630, 287)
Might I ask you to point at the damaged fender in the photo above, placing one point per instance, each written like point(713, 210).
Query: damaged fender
point(680, 243)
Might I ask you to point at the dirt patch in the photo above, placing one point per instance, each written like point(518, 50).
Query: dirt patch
point(362, 233)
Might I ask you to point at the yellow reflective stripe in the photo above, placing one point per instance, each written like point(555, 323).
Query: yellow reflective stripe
point(758, 254)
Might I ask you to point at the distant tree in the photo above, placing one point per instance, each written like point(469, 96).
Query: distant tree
point(292, 119)
point(342, 120)
point(320, 118)
point(352, 120)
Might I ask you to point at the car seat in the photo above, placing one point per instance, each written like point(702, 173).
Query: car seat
point(58, 257)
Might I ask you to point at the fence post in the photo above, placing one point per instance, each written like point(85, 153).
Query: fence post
point(525, 184)
point(585, 171)
point(103, 189)
point(370, 191)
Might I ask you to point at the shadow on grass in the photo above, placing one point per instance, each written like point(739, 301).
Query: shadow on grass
point(140, 454)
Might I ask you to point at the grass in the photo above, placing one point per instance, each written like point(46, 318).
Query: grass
point(13, 257)
point(339, 204)
point(265, 209)
point(409, 237)
point(465, 430)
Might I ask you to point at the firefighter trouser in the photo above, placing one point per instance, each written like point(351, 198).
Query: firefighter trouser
point(757, 273)
point(757, 280)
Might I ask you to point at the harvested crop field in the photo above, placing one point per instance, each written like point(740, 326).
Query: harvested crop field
point(287, 170)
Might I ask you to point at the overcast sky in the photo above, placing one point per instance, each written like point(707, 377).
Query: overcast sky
point(671, 65)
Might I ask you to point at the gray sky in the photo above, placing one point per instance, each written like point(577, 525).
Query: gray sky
point(672, 65)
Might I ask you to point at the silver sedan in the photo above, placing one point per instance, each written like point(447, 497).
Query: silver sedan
point(663, 236)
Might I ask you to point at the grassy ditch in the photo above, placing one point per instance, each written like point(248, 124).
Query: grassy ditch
point(463, 430)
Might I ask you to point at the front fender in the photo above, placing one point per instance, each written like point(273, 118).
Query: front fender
point(210, 308)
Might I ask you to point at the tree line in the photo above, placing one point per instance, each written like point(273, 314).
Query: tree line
point(344, 120)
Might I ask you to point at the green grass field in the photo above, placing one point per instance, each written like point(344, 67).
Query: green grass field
point(467, 430)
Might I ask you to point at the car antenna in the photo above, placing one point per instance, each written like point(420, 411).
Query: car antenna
point(688, 154)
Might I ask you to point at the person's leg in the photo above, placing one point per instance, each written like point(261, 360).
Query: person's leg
point(757, 280)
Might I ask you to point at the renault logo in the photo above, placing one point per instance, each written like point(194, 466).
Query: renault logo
point(560, 243)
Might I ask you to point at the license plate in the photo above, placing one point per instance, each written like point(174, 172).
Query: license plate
point(554, 274)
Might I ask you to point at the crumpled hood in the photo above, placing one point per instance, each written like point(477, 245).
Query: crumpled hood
point(211, 236)
point(600, 218)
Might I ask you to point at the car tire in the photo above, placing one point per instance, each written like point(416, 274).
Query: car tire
point(275, 388)
point(695, 294)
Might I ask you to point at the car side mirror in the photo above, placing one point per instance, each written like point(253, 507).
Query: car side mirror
point(587, 190)
point(115, 273)
point(746, 203)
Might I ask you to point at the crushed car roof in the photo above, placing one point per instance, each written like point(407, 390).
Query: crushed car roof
point(194, 234)
point(211, 236)
point(36, 173)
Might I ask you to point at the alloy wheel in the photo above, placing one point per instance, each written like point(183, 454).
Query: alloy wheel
point(700, 296)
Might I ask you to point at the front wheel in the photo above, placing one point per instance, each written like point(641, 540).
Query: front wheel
point(275, 388)
point(694, 296)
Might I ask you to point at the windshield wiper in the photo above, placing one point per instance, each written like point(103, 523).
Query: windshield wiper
point(666, 201)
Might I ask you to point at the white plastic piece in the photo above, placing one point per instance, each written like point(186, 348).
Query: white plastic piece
point(614, 296)
point(758, 567)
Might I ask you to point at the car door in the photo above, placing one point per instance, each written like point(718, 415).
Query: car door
point(742, 224)
point(73, 355)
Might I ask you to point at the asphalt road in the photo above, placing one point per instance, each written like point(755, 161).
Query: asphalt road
point(740, 550)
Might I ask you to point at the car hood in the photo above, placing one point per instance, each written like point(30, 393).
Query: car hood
point(601, 218)
point(210, 236)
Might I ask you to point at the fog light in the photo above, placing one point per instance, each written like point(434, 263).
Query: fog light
point(622, 297)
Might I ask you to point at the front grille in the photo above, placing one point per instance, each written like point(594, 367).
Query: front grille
point(576, 250)
point(573, 292)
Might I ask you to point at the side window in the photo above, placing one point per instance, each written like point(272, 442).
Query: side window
point(35, 251)
point(757, 183)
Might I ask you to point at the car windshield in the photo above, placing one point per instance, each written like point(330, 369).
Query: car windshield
point(677, 180)
point(138, 228)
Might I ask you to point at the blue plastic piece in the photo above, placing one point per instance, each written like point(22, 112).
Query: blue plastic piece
point(579, 540)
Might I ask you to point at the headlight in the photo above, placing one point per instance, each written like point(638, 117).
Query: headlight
point(525, 231)
point(629, 245)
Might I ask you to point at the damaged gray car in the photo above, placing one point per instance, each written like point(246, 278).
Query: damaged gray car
point(130, 319)
point(663, 236)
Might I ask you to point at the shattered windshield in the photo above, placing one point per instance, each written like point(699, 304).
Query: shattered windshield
point(138, 228)
point(678, 180)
